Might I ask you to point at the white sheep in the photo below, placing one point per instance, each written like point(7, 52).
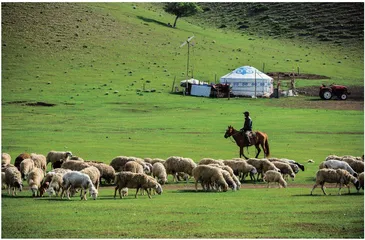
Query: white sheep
point(229, 180)
point(159, 172)
point(75, 165)
point(174, 165)
point(285, 169)
point(26, 166)
point(13, 179)
point(35, 178)
point(39, 161)
point(5, 159)
point(208, 176)
point(133, 166)
point(77, 180)
point(339, 176)
point(135, 180)
point(337, 164)
point(274, 176)
point(53, 157)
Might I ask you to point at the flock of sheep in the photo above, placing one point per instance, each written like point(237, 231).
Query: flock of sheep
point(70, 174)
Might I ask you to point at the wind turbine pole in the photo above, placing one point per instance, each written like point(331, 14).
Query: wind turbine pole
point(187, 69)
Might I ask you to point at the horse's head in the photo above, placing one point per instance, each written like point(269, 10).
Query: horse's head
point(229, 132)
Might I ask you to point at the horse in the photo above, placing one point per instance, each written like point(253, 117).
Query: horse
point(259, 138)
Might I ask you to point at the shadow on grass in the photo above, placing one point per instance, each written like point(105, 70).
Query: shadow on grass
point(328, 194)
point(150, 20)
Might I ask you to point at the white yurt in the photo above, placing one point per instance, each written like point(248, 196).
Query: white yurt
point(248, 81)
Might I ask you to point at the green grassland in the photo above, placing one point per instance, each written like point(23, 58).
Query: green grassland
point(108, 68)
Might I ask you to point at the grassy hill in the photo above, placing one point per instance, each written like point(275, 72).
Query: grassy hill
point(339, 23)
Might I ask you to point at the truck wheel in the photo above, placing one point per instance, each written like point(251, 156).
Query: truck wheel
point(327, 95)
point(343, 96)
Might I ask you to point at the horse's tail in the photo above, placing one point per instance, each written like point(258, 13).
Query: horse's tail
point(267, 148)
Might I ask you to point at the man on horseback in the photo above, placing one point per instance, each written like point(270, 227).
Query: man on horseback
point(247, 127)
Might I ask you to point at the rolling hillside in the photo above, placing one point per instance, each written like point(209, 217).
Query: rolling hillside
point(337, 23)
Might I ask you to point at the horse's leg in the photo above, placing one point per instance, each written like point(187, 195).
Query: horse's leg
point(258, 150)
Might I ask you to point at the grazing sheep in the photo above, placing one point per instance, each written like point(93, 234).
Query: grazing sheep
point(285, 169)
point(229, 180)
point(26, 166)
point(13, 179)
point(49, 177)
point(119, 162)
point(19, 159)
point(133, 167)
point(107, 172)
point(206, 161)
point(294, 165)
point(337, 164)
point(335, 157)
point(135, 180)
point(77, 180)
point(241, 168)
point(339, 176)
point(94, 175)
point(361, 180)
point(175, 165)
point(74, 165)
point(39, 161)
point(55, 185)
point(231, 173)
point(159, 172)
point(35, 180)
point(262, 165)
point(207, 176)
point(54, 157)
point(5, 159)
point(356, 165)
point(274, 176)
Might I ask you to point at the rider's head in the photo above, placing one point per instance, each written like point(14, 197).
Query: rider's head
point(246, 114)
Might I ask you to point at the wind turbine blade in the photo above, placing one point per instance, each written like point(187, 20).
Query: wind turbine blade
point(189, 39)
point(183, 44)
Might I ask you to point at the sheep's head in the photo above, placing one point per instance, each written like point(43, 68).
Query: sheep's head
point(50, 191)
point(158, 189)
point(43, 188)
point(94, 193)
point(253, 170)
point(292, 175)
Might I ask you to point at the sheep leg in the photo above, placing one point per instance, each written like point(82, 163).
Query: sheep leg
point(115, 192)
point(148, 193)
point(322, 187)
point(135, 196)
point(84, 197)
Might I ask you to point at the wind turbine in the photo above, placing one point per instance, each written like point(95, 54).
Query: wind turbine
point(187, 64)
